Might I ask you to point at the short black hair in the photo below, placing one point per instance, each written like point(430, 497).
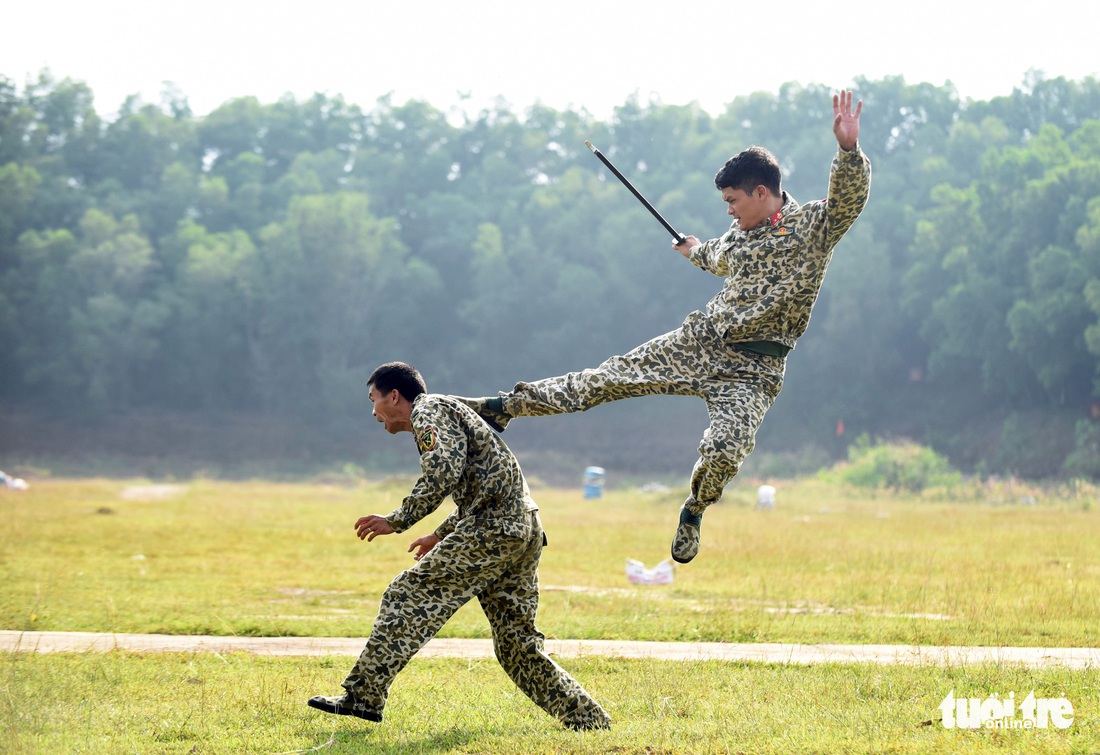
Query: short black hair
point(748, 169)
point(398, 375)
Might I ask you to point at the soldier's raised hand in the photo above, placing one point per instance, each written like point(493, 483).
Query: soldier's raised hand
point(846, 120)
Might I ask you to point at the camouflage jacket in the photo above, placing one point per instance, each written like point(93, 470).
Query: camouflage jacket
point(774, 271)
point(461, 457)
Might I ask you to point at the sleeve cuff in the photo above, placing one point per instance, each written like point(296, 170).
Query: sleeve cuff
point(396, 522)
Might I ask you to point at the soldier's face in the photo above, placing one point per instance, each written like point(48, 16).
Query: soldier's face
point(384, 408)
point(750, 210)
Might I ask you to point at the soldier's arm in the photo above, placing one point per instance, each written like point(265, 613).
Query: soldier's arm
point(442, 445)
point(708, 257)
point(849, 187)
point(850, 176)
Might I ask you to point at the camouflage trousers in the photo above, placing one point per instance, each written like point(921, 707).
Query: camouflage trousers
point(501, 571)
point(738, 387)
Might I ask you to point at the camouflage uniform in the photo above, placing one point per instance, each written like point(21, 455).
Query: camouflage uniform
point(773, 275)
point(490, 549)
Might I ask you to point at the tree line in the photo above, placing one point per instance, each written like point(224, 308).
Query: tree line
point(261, 259)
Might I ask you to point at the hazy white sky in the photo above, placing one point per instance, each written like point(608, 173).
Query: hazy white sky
point(565, 53)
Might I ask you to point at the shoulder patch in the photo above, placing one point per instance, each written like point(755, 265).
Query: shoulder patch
point(425, 439)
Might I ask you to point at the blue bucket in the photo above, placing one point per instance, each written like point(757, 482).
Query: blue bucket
point(593, 482)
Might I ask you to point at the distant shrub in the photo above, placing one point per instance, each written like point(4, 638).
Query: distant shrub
point(896, 465)
point(1084, 461)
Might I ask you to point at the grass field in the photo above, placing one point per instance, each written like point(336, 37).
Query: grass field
point(994, 566)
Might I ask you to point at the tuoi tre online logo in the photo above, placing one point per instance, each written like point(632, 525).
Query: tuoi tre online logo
point(998, 713)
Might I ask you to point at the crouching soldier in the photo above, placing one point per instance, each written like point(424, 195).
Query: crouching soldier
point(487, 548)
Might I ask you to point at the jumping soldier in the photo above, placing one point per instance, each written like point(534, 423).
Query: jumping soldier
point(732, 356)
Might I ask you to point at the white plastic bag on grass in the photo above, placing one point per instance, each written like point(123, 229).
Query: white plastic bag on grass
point(638, 574)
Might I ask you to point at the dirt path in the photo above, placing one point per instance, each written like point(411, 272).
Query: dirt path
point(58, 642)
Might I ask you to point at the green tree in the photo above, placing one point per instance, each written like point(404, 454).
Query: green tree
point(1088, 242)
point(40, 290)
point(116, 318)
point(87, 316)
point(324, 285)
point(207, 362)
point(18, 185)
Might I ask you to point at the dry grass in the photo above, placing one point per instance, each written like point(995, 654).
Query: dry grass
point(827, 565)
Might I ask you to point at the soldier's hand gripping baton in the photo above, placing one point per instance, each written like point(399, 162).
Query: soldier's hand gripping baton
point(676, 235)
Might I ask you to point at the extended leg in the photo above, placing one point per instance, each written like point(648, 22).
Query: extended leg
point(510, 604)
point(666, 365)
point(736, 411)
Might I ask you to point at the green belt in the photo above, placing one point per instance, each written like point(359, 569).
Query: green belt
point(767, 348)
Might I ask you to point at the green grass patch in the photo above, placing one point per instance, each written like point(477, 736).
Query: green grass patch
point(827, 565)
point(994, 565)
point(206, 703)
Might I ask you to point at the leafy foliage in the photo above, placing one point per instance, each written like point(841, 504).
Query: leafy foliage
point(897, 465)
point(263, 258)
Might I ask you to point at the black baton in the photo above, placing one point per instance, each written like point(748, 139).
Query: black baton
point(676, 235)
